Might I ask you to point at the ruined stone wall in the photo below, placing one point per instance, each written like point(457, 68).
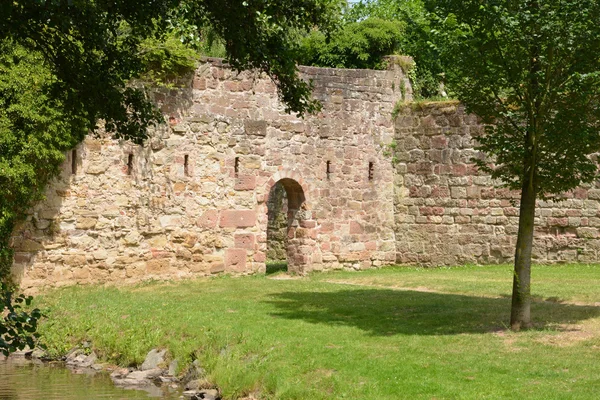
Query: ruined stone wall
point(193, 200)
point(361, 191)
point(448, 213)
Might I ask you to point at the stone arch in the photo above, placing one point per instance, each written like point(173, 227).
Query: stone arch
point(301, 245)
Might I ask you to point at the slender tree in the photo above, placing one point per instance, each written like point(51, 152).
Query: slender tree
point(531, 70)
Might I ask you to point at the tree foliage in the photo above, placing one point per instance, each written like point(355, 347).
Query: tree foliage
point(530, 69)
point(66, 64)
point(415, 39)
point(17, 326)
point(35, 131)
point(92, 47)
point(356, 45)
point(166, 60)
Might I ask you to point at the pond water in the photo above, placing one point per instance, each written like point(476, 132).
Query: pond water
point(24, 380)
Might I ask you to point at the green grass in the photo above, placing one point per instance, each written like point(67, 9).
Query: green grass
point(274, 267)
point(395, 333)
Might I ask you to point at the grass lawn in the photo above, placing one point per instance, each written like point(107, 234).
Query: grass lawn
point(395, 333)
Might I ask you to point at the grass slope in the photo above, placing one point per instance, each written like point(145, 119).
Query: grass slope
point(393, 333)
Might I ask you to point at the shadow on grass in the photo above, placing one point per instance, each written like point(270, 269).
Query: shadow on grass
point(274, 267)
point(385, 312)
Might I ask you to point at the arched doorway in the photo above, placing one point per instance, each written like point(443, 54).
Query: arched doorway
point(289, 229)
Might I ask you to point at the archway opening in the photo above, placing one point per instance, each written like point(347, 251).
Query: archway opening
point(286, 212)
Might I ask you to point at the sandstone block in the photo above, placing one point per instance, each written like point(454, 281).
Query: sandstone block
point(101, 254)
point(260, 256)
point(28, 245)
point(86, 223)
point(237, 218)
point(81, 274)
point(199, 83)
point(245, 241)
point(208, 219)
point(170, 221)
point(235, 260)
point(157, 241)
point(245, 182)
point(157, 266)
point(75, 260)
point(355, 228)
point(257, 128)
point(591, 233)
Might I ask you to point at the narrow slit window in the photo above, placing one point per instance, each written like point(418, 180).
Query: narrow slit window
point(74, 162)
point(129, 164)
point(371, 171)
point(236, 166)
point(328, 169)
point(186, 165)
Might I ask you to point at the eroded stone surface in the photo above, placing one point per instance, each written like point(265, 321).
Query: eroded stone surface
point(449, 213)
point(194, 201)
point(362, 190)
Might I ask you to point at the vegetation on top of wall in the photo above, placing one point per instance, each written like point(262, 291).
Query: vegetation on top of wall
point(422, 104)
point(360, 44)
point(415, 41)
point(166, 60)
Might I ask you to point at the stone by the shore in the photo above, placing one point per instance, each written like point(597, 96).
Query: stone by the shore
point(154, 359)
point(205, 394)
point(77, 358)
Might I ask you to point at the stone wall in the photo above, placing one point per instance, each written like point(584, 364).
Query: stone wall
point(193, 201)
point(448, 213)
point(361, 192)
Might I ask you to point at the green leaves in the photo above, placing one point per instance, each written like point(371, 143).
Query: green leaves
point(356, 45)
point(35, 131)
point(17, 327)
point(65, 65)
point(531, 68)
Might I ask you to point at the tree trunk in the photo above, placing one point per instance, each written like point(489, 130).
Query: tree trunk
point(520, 316)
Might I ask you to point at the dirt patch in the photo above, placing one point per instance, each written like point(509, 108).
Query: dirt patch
point(284, 277)
point(572, 334)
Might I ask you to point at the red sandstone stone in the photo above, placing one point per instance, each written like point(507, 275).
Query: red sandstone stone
point(208, 219)
point(459, 170)
point(245, 241)
point(355, 228)
point(439, 142)
point(235, 260)
point(237, 218)
point(440, 191)
point(199, 83)
point(159, 253)
point(437, 210)
point(245, 182)
point(308, 224)
point(580, 193)
point(558, 221)
point(259, 256)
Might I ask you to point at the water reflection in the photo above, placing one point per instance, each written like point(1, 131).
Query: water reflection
point(24, 380)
